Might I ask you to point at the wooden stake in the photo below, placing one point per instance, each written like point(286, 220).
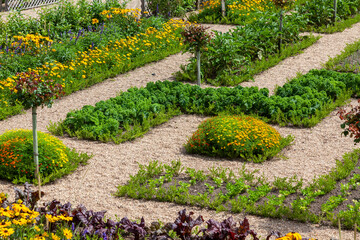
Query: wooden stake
point(198, 67)
point(35, 148)
point(339, 228)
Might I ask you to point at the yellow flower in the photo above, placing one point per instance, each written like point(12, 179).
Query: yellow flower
point(6, 232)
point(83, 76)
point(37, 228)
point(51, 218)
point(4, 224)
point(94, 21)
point(54, 237)
point(6, 212)
point(67, 233)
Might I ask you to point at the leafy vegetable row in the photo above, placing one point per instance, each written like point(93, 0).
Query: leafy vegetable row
point(67, 222)
point(230, 57)
point(284, 197)
point(303, 102)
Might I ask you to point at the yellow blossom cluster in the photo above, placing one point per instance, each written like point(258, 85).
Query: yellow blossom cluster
point(17, 218)
point(242, 6)
point(136, 12)
point(33, 43)
point(233, 136)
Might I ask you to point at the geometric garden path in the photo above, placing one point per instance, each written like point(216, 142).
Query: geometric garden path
point(313, 152)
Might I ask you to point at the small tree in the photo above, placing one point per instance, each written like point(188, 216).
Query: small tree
point(281, 4)
point(33, 91)
point(195, 39)
point(352, 122)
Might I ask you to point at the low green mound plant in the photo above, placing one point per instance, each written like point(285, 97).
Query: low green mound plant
point(17, 162)
point(237, 136)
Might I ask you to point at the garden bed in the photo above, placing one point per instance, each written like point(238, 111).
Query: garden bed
point(313, 153)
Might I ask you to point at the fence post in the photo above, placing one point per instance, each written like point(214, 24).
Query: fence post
point(6, 5)
point(0, 5)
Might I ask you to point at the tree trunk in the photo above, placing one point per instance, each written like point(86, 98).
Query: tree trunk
point(198, 67)
point(223, 8)
point(142, 8)
point(35, 148)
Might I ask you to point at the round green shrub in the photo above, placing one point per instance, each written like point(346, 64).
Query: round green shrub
point(17, 159)
point(237, 137)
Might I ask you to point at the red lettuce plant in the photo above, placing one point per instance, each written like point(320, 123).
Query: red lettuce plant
point(195, 39)
point(352, 122)
point(32, 90)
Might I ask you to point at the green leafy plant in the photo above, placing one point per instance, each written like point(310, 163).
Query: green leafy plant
point(236, 137)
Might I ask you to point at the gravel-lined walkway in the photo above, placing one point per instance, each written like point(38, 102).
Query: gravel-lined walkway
point(313, 153)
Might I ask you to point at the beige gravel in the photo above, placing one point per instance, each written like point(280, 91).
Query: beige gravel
point(313, 153)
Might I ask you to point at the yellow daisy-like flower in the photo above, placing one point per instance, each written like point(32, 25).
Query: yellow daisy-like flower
point(6, 212)
point(4, 224)
point(20, 222)
point(51, 218)
point(67, 233)
point(37, 228)
point(6, 232)
point(83, 76)
point(62, 217)
point(94, 21)
point(54, 237)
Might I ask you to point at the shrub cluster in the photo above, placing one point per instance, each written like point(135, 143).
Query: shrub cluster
point(303, 102)
point(17, 161)
point(236, 136)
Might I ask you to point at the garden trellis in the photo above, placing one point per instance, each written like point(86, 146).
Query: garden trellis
point(7, 5)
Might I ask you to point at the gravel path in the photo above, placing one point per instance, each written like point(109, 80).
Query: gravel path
point(313, 152)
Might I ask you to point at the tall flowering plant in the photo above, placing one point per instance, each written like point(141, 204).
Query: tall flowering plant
point(32, 90)
point(196, 39)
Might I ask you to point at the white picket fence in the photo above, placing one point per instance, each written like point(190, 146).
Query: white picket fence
point(7, 5)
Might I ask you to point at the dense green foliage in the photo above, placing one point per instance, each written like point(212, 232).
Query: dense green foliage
point(230, 56)
point(221, 190)
point(114, 42)
point(303, 102)
point(242, 137)
point(173, 8)
point(321, 12)
point(17, 161)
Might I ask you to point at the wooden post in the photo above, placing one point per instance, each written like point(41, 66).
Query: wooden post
point(339, 228)
point(335, 10)
point(142, 8)
point(35, 148)
point(0, 5)
point(223, 8)
point(197, 4)
point(280, 29)
point(6, 5)
point(198, 67)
